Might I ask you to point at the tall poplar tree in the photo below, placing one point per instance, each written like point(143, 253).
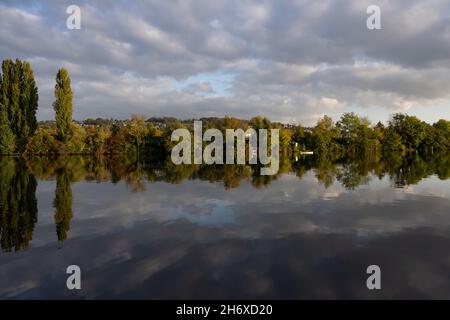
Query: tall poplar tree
point(5, 85)
point(19, 97)
point(29, 98)
point(7, 138)
point(63, 105)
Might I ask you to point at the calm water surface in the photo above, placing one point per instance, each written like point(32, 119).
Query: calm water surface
point(151, 230)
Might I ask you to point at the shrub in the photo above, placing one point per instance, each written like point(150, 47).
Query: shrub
point(95, 140)
point(43, 142)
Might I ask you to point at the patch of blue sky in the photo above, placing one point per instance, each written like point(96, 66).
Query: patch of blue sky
point(33, 7)
point(130, 73)
point(220, 82)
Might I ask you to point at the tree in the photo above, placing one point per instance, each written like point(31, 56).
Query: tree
point(7, 138)
point(410, 128)
point(349, 126)
point(367, 141)
point(15, 116)
point(231, 123)
point(356, 133)
point(392, 141)
point(96, 140)
point(137, 130)
point(5, 86)
point(259, 122)
point(63, 105)
point(19, 97)
point(43, 143)
point(442, 134)
point(285, 139)
point(379, 131)
point(29, 99)
point(324, 134)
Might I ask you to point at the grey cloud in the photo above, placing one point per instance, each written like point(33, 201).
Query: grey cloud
point(292, 59)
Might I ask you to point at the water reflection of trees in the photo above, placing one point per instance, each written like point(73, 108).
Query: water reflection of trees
point(18, 205)
point(62, 204)
point(402, 169)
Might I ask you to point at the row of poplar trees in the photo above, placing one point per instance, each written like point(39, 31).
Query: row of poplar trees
point(19, 102)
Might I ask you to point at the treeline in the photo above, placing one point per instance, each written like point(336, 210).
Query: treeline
point(355, 135)
point(20, 133)
point(350, 135)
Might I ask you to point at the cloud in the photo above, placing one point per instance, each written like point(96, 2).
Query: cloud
point(289, 60)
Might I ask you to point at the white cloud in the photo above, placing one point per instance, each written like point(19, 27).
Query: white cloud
point(289, 59)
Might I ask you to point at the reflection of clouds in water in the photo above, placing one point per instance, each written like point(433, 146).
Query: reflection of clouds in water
point(181, 260)
point(432, 186)
point(22, 288)
point(250, 212)
point(209, 212)
point(183, 240)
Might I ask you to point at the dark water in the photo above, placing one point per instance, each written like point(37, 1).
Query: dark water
point(149, 229)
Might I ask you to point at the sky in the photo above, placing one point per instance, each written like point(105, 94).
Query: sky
point(291, 61)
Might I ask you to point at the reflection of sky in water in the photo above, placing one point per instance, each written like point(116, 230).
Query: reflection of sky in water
point(292, 239)
point(210, 212)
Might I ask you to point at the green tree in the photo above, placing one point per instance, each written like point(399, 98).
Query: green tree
point(15, 116)
point(324, 134)
point(379, 131)
point(63, 105)
point(5, 85)
point(410, 128)
point(285, 140)
point(441, 134)
point(7, 139)
point(356, 133)
point(19, 97)
point(29, 100)
point(349, 125)
point(260, 122)
point(392, 141)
